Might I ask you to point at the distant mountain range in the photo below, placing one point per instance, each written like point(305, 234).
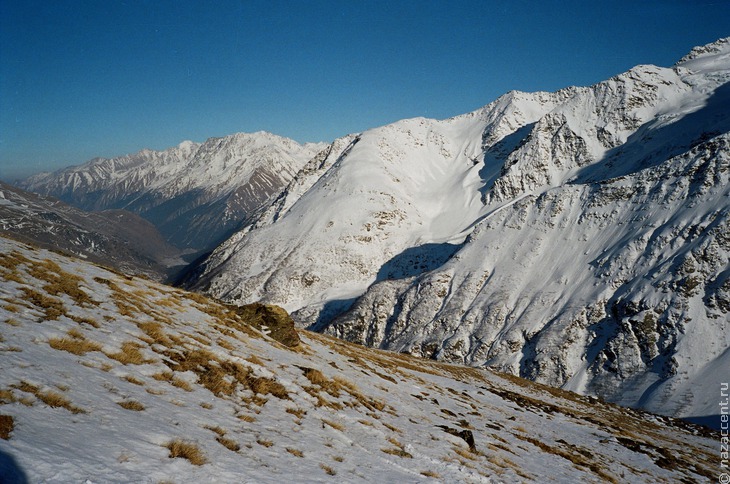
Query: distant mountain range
point(196, 194)
point(577, 238)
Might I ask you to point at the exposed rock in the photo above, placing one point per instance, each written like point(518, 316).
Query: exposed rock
point(272, 320)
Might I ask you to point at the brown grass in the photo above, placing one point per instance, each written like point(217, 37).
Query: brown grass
point(295, 452)
point(84, 320)
point(70, 287)
point(11, 308)
point(52, 307)
point(59, 281)
point(134, 380)
point(130, 354)
point(6, 396)
point(297, 412)
point(246, 417)
point(264, 442)
point(398, 450)
point(154, 331)
point(218, 430)
point(50, 398)
point(330, 471)
point(7, 424)
point(75, 343)
point(131, 405)
point(222, 377)
point(229, 444)
point(335, 387)
point(186, 450)
point(430, 474)
point(12, 260)
point(255, 360)
point(464, 453)
point(334, 425)
point(163, 376)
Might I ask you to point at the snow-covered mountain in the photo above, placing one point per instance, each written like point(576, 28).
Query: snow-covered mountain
point(111, 378)
point(116, 238)
point(578, 238)
point(196, 194)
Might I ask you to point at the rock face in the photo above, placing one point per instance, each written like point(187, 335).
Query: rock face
point(272, 320)
point(577, 238)
point(196, 194)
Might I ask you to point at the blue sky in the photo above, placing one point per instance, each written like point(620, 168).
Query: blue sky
point(80, 79)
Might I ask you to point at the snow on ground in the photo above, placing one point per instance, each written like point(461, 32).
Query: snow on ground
point(105, 376)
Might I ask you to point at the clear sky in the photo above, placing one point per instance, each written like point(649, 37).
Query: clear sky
point(80, 79)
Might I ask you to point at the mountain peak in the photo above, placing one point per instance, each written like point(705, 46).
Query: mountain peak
point(537, 236)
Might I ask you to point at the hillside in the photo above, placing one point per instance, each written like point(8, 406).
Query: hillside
point(106, 377)
point(577, 238)
point(196, 194)
point(116, 238)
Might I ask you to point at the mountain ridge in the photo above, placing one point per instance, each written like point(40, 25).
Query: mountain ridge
point(377, 237)
point(195, 193)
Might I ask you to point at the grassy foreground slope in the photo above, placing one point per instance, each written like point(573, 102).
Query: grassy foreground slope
point(109, 378)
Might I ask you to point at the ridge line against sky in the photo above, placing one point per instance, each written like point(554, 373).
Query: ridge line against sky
point(80, 79)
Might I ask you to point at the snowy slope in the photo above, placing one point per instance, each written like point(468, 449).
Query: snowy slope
point(196, 194)
point(576, 237)
point(110, 378)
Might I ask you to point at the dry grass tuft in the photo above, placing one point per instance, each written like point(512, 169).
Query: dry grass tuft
point(218, 430)
point(131, 405)
point(130, 354)
point(295, 452)
point(246, 417)
point(297, 412)
point(264, 442)
point(52, 307)
point(229, 444)
point(134, 380)
point(330, 471)
point(430, 474)
point(332, 424)
point(50, 398)
point(154, 331)
point(225, 344)
point(398, 452)
point(84, 320)
point(392, 428)
point(186, 450)
point(6, 396)
point(223, 377)
point(7, 424)
point(255, 360)
point(163, 376)
point(335, 387)
point(75, 343)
